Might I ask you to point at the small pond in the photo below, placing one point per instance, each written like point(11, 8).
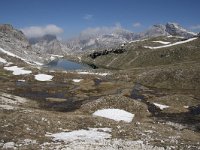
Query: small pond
point(67, 65)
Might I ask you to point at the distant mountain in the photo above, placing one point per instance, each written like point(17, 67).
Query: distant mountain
point(48, 44)
point(176, 30)
point(41, 49)
point(46, 38)
point(101, 40)
point(118, 36)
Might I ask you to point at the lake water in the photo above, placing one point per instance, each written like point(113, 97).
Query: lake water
point(66, 65)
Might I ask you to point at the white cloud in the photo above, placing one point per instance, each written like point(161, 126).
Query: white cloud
point(136, 24)
point(91, 32)
point(38, 31)
point(196, 27)
point(88, 17)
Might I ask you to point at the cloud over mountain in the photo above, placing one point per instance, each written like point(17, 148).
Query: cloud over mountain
point(38, 31)
point(101, 30)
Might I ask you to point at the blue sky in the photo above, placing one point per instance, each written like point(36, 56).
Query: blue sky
point(73, 16)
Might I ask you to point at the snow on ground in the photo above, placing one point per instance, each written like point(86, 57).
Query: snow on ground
point(138, 41)
point(21, 80)
point(60, 56)
point(43, 77)
point(77, 80)
point(84, 135)
point(9, 145)
point(161, 106)
point(105, 144)
point(17, 70)
point(13, 55)
point(115, 114)
point(10, 102)
point(8, 64)
point(92, 73)
point(53, 57)
point(6, 107)
point(3, 60)
point(177, 43)
point(161, 42)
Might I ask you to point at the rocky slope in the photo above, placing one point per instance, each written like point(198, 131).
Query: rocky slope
point(48, 44)
point(14, 41)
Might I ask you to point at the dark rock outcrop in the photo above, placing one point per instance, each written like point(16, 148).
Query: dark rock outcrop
point(106, 52)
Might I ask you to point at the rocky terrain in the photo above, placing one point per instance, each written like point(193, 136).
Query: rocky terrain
point(144, 95)
point(48, 44)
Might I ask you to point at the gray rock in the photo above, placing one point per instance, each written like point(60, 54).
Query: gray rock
point(14, 41)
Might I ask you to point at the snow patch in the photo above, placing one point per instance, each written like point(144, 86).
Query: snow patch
point(43, 77)
point(115, 114)
point(177, 43)
point(83, 135)
point(3, 60)
point(161, 106)
point(21, 80)
point(161, 42)
point(9, 145)
point(92, 73)
point(77, 80)
point(186, 107)
point(137, 41)
point(17, 70)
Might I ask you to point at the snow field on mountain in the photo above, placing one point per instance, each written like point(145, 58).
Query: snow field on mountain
point(177, 43)
point(161, 42)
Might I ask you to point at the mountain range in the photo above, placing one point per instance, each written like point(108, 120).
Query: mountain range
point(118, 36)
point(41, 49)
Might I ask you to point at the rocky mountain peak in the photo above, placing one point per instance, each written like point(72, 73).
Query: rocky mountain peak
point(8, 30)
point(177, 30)
point(6, 27)
point(46, 38)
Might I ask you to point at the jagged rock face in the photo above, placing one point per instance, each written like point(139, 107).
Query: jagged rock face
point(176, 30)
point(14, 41)
point(48, 44)
point(99, 41)
point(7, 29)
point(52, 47)
point(45, 38)
point(154, 31)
